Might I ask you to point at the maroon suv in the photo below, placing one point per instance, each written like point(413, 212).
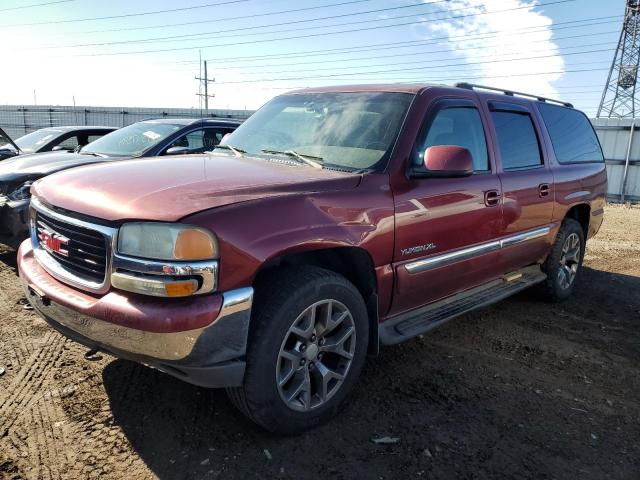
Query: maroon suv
point(333, 220)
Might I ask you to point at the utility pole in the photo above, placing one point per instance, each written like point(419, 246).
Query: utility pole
point(205, 81)
point(618, 98)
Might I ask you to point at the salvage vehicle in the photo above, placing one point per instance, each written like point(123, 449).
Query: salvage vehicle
point(149, 138)
point(334, 220)
point(50, 139)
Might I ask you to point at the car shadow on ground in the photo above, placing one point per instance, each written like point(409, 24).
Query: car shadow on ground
point(452, 414)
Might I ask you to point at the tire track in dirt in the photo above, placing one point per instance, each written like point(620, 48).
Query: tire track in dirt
point(24, 389)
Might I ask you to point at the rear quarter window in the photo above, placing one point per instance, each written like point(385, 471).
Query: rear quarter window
point(572, 136)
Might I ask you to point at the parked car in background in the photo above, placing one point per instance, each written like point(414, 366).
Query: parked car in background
point(50, 139)
point(332, 221)
point(149, 138)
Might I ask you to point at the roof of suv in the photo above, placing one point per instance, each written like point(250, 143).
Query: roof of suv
point(415, 88)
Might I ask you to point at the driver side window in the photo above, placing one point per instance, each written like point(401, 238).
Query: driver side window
point(462, 127)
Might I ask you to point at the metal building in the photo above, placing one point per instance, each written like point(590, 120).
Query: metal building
point(620, 142)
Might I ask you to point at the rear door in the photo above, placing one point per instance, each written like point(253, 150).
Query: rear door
point(447, 228)
point(527, 183)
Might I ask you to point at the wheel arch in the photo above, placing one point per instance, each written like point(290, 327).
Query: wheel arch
point(353, 263)
point(582, 214)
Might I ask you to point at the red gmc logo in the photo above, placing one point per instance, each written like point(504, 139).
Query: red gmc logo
point(53, 242)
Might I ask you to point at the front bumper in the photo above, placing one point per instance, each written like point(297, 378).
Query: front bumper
point(14, 217)
point(156, 332)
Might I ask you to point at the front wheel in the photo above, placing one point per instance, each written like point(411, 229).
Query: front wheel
point(308, 347)
point(564, 262)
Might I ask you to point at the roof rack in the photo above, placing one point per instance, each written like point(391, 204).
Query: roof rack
point(511, 93)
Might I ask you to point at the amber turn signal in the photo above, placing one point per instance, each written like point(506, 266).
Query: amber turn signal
point(181, 288)
point(194, 243)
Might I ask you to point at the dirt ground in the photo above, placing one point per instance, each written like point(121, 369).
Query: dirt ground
point(523, 389)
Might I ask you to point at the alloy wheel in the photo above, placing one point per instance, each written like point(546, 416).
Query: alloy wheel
point(315, 355)
point(569, 260)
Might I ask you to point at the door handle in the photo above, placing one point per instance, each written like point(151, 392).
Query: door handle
point(543, 189)
point(491, 198)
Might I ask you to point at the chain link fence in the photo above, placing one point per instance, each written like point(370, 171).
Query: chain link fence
point(19, 120)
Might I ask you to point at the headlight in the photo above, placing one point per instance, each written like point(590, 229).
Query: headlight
point(166, 241)
point(23, 192)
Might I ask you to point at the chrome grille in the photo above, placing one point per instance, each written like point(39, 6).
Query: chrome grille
point(79, 250)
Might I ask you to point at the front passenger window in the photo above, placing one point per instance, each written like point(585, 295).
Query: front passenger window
point(462, 127)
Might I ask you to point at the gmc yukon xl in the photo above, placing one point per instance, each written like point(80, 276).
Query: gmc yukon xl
point(333, 221)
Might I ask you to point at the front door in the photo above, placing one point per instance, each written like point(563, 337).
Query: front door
point(447, 228)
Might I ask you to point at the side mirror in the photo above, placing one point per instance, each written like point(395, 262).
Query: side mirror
point(177, 151)
point(60, 148)
point(448, 161)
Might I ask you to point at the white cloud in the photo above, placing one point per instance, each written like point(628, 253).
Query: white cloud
point(504, 48)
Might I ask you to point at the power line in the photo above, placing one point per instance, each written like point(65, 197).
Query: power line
point(127, 15)
point(315, 34)
point(430, 66)
point(375, 72)
point(190, 36)
point(35, 5)
point(240, 17)
point(412, 54)
point(408, 44)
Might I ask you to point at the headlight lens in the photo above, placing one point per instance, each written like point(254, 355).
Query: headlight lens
point(23, 192)
point(166, 241)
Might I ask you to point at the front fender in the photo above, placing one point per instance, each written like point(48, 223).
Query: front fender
point(254, 232)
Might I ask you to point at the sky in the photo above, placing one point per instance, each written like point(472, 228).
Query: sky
point(146, 53)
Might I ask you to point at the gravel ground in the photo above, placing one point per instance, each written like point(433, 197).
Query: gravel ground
point(523, 389)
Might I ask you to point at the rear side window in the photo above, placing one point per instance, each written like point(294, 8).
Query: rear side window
point(572, 135)
point(517, 140)
point(460, 126)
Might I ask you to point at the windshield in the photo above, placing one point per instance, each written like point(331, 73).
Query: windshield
point(131, 141)
point(346, 130)
point(32, 142)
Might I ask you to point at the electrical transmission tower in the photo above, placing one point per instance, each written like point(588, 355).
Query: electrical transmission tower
point(619, 95)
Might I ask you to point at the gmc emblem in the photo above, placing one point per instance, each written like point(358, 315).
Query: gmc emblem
point(53, 242)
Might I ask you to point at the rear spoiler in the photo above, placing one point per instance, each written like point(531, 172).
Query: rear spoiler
point(9, 140)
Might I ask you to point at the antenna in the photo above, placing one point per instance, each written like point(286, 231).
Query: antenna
point(618, 98)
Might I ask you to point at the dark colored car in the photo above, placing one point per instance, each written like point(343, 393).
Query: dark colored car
point(51, 139)
point(149, 138)
point(332, 221)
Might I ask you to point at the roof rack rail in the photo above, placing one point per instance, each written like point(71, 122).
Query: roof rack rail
point(511, 93)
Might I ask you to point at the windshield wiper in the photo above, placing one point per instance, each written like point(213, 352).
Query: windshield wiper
point(236, 151)
point(94, 154)
point(307, 159)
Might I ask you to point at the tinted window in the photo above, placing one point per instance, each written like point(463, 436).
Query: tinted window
point(517, 140)
point(69, 143)
point(571, 134)
point(460, 126)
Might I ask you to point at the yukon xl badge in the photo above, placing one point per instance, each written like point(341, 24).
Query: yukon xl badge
point(417, 249)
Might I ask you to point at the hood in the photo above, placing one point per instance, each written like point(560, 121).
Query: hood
point(4, 138)
point(171, 188)
point(38, 165)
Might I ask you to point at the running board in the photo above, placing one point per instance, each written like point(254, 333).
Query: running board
point(416, 322)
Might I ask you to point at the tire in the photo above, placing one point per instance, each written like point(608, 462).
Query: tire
point(560, 283)
point(283, 347)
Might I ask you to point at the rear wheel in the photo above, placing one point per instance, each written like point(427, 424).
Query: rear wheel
point(308, 347)
point(564, 262)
